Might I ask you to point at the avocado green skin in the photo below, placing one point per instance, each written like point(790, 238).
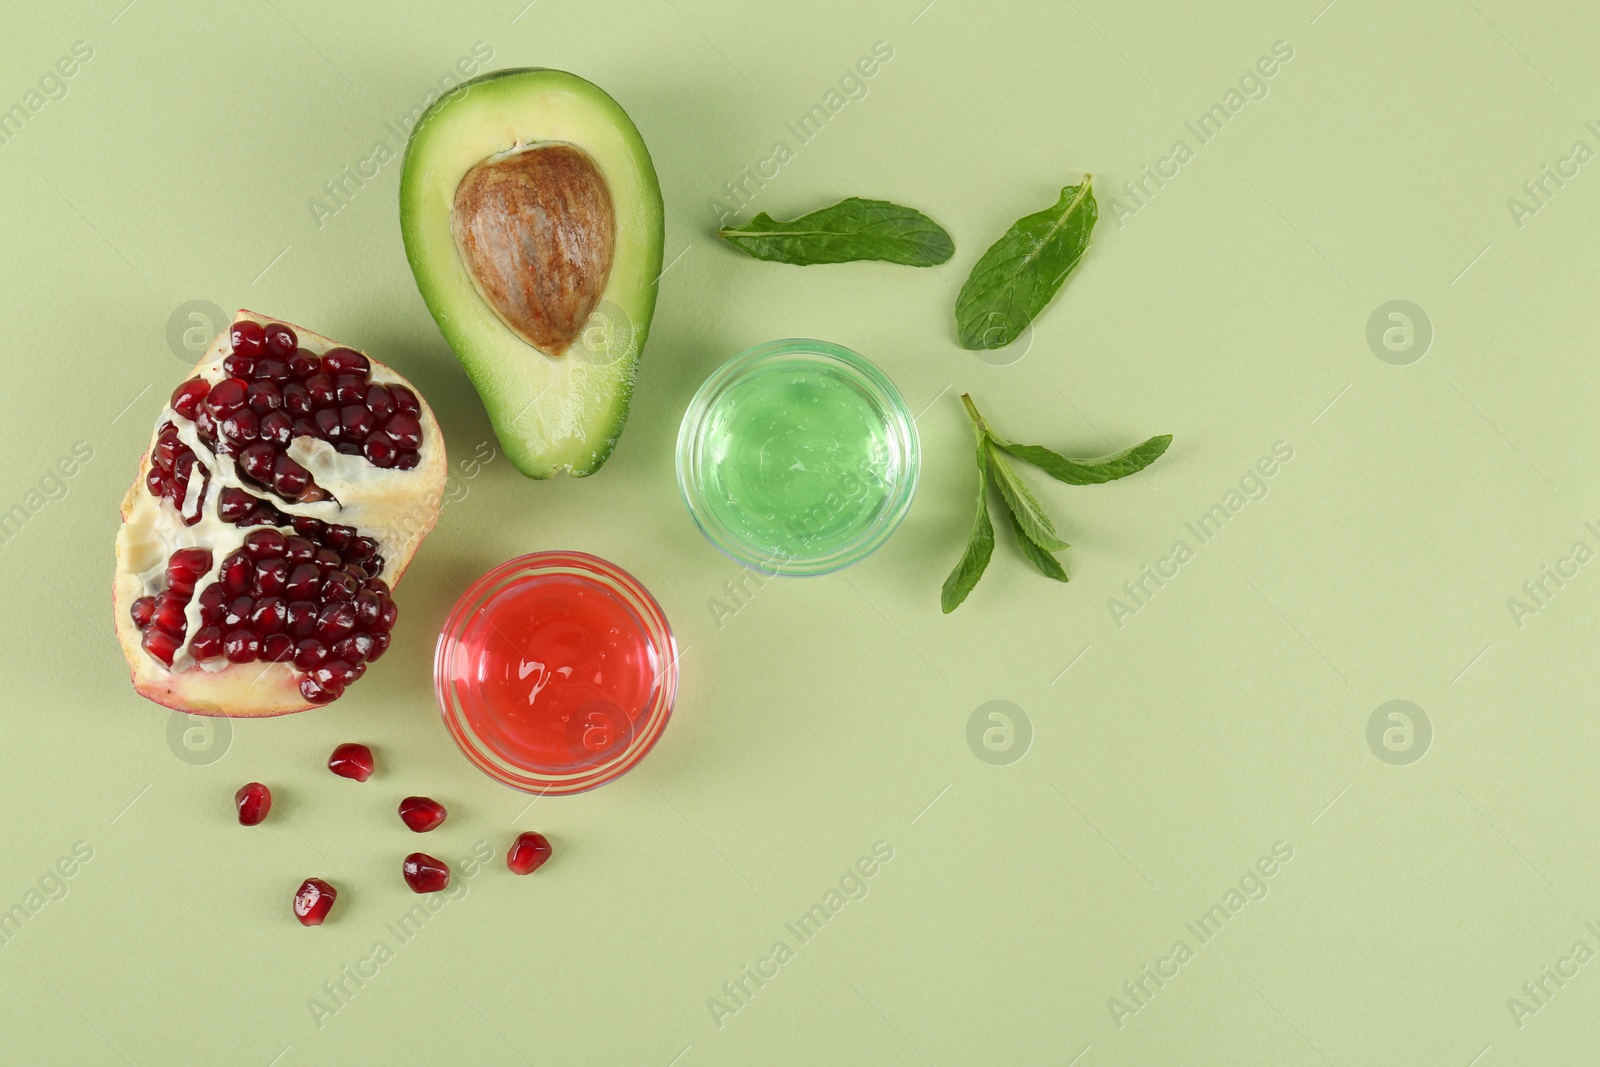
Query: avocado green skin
point(494, 363)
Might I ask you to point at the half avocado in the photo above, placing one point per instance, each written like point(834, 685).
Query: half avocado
point(533, 223)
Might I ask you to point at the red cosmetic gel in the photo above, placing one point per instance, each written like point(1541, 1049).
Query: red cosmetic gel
point(556, 672)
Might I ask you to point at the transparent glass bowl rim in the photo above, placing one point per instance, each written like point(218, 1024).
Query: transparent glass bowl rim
point(899, 422)
point(649, 724)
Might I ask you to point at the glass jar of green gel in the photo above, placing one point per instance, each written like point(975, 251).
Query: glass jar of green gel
point(797, 457)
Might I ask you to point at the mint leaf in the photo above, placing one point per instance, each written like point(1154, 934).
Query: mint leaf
point(1089, 471)
point(1047, 564)
point(1024, 508)
point(1020, 273)
point(850, 230)
point(980, 546)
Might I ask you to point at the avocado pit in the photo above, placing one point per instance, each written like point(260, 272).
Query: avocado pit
point(536, 231)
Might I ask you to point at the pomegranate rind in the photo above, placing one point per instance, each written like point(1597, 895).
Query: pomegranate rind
point(397, 508)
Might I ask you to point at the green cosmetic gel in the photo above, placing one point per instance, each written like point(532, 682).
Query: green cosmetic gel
point(800, 460)
point(797, 457)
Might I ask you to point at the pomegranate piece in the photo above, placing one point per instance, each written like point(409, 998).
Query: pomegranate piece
point(422, 814)
point(313, 900)
point(528, 853)
point(424, 874)
point(352, 761)
point(254, 801)
point(220, 459)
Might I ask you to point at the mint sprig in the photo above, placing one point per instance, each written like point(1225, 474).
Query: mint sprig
point(1036, 535)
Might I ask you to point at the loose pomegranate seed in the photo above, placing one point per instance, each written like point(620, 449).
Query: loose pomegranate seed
point(186, 398)
point(424, 874)
point(227, 396)
point(352, 761)
point(313, 900)
point(345, 361)
point(253, 800)
point(248, 337)
point(142, 611)
point(207, 643)
point(528, 853)
point(422, 814)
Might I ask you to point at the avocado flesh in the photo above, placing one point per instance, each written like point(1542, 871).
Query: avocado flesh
point(562, 409)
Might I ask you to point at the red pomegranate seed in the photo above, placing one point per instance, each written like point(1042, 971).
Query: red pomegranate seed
point(310, 653)
point(226, 397)
point(320, 388)
point(405, 429)
point(234, 504)
point(160, 644)
point(272, 369)
point(380, 449)
point(335, 620)
point(239, 365)
point(167, 615)
point(328, 423)
point(186, 398)
point(242, 427)
point(422, 814)
point(207, 643)
point(277, 428)
point(345, 361)
point(263, 397)
point(142, 611)
point(241, 646)
point(380, 645)
point(277, 648)
point(289, 478)
point(272, 577)
point(339, 537)
point(313, 900)
point(256, 461)
point(354, 649)
point(528, 853)
point(213, 604)
point(280, 339)
point(303, 365)
point(237, 573)
point(296, 401)
point(356, 422)
point(303, 581)
point(297, 549)
point(339, 587)
point(238, 613)
point(405, 400)
point(264, 544)
point(349, 388)
point(267, 617)
point(407, 461)
point(424, 874)
point(352, 761)
point(318, 694)
point(380, 401)
point(334, 674)
point(248, 337)
point(253, 800)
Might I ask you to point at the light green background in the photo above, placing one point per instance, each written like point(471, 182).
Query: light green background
point(1230, 713)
